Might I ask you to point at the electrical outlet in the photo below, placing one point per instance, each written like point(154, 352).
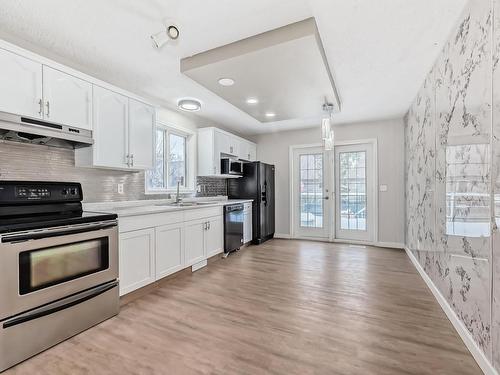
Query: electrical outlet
point(120, 189)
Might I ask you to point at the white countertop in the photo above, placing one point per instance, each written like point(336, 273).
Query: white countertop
point(144, 207)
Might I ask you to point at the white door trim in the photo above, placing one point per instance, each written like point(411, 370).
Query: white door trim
point(332, 207)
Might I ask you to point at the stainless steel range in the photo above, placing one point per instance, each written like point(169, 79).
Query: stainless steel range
point(58, 267)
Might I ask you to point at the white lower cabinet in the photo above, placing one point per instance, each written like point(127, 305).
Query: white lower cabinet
point(195, 241)
point(214, 236)
point(172, 242)
point(137, 259)
point(169, 249)
point(247, 223)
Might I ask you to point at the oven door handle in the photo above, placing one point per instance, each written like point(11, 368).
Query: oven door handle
point(37, 235)
point(63, 304)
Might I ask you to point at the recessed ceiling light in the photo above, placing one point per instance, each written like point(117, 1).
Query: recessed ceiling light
point(270, 114)
point(226, 81)
point(190, 105)
point(252, 101)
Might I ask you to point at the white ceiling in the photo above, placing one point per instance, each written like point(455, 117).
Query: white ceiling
point(379, 51)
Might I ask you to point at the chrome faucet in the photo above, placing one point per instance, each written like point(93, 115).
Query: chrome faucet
point(178, 198)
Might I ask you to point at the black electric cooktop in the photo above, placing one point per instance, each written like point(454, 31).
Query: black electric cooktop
point(27, 205)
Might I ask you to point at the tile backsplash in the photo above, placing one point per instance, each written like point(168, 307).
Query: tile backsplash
point(210, 186)
point(22, 161)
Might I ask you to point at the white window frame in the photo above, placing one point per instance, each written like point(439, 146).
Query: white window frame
point(189, 185)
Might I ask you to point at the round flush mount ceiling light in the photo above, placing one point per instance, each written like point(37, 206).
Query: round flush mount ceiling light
point(252, 101)
point(270, 114)
point(226, 82)
point(189, 105)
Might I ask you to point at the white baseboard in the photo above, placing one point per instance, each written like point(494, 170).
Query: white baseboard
point(391, 245)
point(195, 267)
point(459, 326)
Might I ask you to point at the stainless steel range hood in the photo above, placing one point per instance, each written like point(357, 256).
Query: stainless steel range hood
point(28, 130)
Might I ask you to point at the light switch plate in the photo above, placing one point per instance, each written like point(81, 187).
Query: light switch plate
point(383, 188)
point(120, 189)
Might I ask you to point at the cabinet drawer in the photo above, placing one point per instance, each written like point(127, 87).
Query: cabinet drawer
point(200, 213)
point(129, 223)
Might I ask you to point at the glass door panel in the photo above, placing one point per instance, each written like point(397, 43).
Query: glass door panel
point(310, 193)
point(354, 198)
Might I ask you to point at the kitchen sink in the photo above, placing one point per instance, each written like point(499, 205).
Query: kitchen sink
point(184, 204)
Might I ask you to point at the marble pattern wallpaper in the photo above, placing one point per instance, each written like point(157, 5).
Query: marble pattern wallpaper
point(452, 160)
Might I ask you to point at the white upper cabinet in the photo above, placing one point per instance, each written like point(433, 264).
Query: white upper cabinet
point(221, 143)
point(234, 145)
point(141, 130)
point(123, 133)
point(68, 100)
point(214, 143)
point(110, 129)
point(252, 151)
point(20, 85)
point(247, 151)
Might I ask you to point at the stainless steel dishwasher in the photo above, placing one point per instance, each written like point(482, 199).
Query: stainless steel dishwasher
point(233, 227)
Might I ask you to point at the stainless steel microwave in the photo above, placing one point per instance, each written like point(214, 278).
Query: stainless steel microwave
point(231, 166)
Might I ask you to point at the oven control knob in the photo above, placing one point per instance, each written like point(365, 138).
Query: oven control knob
point(73, 191)
point(64, 192)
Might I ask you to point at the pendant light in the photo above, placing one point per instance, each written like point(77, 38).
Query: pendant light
point(326, 127)
point(329, 142)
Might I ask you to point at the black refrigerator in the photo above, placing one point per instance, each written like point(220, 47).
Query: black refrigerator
point(257, 183)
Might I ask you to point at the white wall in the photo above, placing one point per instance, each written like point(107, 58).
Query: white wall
point(273, 148)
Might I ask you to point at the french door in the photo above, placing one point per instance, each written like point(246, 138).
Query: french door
point(354, 197)
point(311, 208)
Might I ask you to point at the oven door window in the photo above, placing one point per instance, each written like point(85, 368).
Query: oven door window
point(50, 266)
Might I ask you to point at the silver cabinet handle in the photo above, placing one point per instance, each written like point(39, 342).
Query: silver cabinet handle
point(48, 108)
point(127, 160)
point(40, 107)
point(231, 149)
point(208, 225)
point(132, 158)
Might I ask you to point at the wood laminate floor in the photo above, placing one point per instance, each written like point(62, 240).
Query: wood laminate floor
point(285, 307)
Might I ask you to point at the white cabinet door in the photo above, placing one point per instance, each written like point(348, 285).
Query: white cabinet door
point(20, 85)
point(243, 150)
point(110, 115)
point(68, 100)
point(247, 226)
point(221, 144)
point(252, 151)
point(214, 236)
point(169, 249)
point(234, 146)
point(141, 133)
point(194, 248)
point(137, 257)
